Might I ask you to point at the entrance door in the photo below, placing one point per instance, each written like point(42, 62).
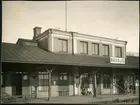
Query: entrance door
point(16, 84)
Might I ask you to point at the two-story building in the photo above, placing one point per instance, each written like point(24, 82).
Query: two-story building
point(56, 63)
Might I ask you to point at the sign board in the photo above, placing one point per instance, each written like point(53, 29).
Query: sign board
point(117, 60)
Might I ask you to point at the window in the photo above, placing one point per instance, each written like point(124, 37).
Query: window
point(63, 45)
point(63, 76)
point(83, 47)
point(106, 50)
point(118, 51)
point(43, 81)
point(95, 48)
point(106, 80)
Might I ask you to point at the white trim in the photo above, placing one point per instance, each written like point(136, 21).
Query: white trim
point(96, 37)
point(61, 36)
point(106, 42)
point(113, 50)
point(87, 39)
point(60, 32)
point(119, 45)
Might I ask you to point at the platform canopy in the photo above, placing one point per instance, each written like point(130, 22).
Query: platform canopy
point(16, 53)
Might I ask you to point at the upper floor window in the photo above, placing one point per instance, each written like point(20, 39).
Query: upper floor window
point(63, 45)
point(83, 47)
point(43, 81)
point(95, 48)
point(105, 50)
point(118, 52)
point(63, 76)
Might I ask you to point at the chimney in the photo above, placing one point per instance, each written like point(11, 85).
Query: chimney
point(37, 32)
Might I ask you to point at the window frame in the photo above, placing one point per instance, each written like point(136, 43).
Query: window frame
point(61, 44)
point(116, 54)
point(45, 78)
point(107, 50)
point(83, 42)
point(94, 48)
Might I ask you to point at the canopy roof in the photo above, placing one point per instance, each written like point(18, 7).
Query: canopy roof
point(16, 53)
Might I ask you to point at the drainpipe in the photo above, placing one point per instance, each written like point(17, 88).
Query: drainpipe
point(134, 78)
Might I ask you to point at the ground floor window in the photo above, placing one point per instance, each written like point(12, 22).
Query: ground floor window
point(106, 80)
point(43, 81)
point(63, 76)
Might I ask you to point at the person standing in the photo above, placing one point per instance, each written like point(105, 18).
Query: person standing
point(137, 86)
point(125, 87)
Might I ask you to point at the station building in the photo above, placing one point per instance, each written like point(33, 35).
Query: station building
point(60, 63)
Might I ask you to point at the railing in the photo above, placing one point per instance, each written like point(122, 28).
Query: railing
point(120, 88)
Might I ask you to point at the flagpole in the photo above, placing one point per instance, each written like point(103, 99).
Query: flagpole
point(65, 15)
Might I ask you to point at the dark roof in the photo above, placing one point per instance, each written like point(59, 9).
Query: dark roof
point(26, 40)
point(35, 55)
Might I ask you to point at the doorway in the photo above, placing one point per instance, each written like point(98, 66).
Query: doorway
point(84, 83)
point(16, 84)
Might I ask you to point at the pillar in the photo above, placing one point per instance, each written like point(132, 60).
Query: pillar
point(101, 77)
point(76, 78)
point(91, 81)
point(114, 88)
point(94, 83)
point(25, 85)
point(49, 90)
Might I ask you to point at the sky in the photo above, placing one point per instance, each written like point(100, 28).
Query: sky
point(111, 19)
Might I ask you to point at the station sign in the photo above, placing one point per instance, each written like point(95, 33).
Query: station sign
point(117, 60)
